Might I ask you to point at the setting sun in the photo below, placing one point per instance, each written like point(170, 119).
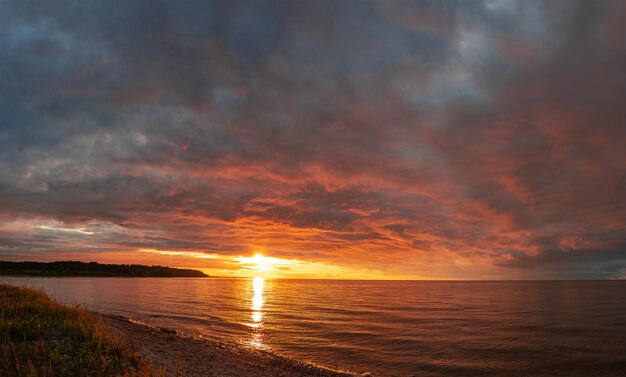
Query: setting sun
point(262, 263)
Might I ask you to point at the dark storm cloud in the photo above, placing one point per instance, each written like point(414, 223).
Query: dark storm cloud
point(417, 137)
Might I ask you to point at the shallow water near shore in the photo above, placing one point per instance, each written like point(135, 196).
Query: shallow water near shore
point(388, 328)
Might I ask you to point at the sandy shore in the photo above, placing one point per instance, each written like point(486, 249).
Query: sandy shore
point(199, 357)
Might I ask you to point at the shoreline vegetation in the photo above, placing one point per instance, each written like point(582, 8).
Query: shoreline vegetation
point(41, 337)
point(93, 269)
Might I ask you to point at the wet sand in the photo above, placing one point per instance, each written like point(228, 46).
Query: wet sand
point(181, 355)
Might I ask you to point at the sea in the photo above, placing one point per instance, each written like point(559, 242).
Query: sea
point(386, 328)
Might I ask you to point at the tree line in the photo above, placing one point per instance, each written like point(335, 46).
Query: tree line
point(74, 268)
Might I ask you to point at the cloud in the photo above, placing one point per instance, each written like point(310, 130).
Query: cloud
point(421, 139)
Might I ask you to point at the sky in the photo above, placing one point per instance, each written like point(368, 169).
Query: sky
point(382, 139)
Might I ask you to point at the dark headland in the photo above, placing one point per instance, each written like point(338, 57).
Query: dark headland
point(73, 268)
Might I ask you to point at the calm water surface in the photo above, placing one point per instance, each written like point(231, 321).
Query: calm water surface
point(386, 328)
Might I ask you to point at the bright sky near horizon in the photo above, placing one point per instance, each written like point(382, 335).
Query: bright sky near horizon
point(328, 139)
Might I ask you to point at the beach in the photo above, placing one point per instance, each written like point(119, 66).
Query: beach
point(181, 355)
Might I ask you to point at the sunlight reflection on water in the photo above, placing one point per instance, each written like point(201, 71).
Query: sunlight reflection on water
point(258, 284)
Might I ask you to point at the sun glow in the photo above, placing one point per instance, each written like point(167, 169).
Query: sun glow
point(262, 263)
point(257, 264)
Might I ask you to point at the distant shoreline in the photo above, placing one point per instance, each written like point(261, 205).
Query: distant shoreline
point(92, 269)
point(105, 276)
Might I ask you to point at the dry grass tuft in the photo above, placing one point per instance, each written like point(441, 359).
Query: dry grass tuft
point(40, 337)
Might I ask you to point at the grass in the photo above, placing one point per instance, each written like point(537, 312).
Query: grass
point(40, 337)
